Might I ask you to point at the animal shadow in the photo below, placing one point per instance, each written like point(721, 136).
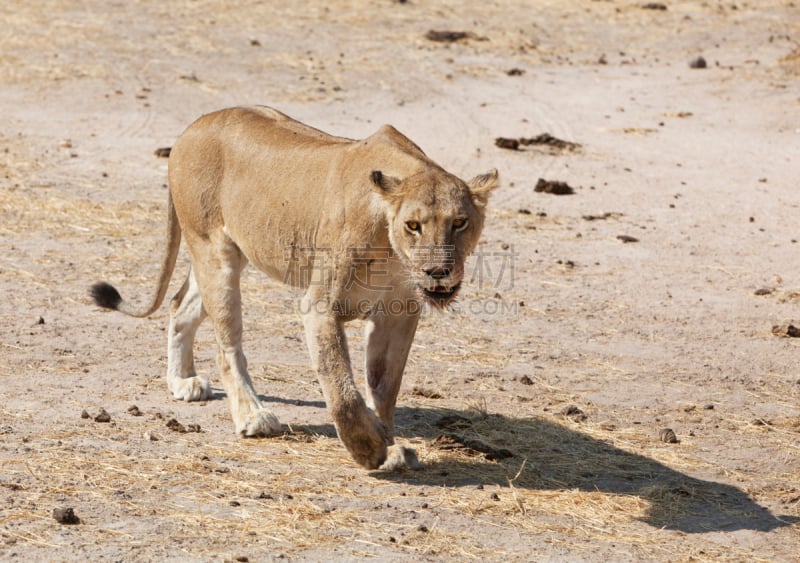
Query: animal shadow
point(559, 458)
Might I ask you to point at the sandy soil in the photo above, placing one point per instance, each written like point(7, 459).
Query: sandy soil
point(645, 300)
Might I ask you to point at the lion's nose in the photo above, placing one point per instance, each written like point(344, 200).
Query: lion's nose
point(437, 273)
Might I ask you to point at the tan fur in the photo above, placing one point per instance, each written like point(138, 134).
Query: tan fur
point(364, 227)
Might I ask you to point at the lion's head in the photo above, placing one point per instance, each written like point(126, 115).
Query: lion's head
point(435, 221)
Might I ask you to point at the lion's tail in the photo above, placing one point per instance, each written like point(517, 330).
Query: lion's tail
point(106, 295)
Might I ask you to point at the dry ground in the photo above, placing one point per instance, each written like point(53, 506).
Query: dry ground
point(696, 168)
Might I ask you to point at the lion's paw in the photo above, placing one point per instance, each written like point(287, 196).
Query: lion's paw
point(400, 457)
point(259, 424)
point(365, 438)
point(194, 388)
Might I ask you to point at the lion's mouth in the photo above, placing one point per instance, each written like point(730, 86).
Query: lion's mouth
point(440, 295)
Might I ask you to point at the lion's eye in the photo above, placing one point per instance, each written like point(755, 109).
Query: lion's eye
point(413, 227)
point(459, 224)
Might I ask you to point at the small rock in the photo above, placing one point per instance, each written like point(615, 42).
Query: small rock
point(40, 321)
point(668, 436)
point(103, 416)
point(627, 238)
point(134, 411)
point(515, 72)
point(525, 380)
point(698, 62)
point(163, 152)
point(66, 516)
point(85, 414)
point(764, 291)
point(654, 6)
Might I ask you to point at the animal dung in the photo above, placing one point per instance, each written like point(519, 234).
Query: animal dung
point(786, 330)
point(547, 140)
point(554, 187)
point(506, 143)
point(667, 435)
point(176, 426)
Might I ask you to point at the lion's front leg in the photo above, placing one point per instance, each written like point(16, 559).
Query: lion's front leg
point(389, 340)
point(362, 433)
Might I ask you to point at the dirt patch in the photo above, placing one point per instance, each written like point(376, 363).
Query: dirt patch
point(638, 337)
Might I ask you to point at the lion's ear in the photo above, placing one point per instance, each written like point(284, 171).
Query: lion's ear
point(385, 185)
point(481, 186)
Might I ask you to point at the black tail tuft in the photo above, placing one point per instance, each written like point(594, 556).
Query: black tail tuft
point(105, 295)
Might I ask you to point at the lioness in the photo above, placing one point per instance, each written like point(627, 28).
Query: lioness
point(370, 229)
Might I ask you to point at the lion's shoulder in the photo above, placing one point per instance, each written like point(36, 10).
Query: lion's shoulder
point(389, 138)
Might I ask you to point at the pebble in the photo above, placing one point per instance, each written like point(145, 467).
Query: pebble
point(698, 62)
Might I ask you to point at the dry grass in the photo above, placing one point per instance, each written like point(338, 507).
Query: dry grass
point(243, 497)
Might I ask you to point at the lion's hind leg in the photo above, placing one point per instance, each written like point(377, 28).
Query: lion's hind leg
point(217, 264)
point(186, 314)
